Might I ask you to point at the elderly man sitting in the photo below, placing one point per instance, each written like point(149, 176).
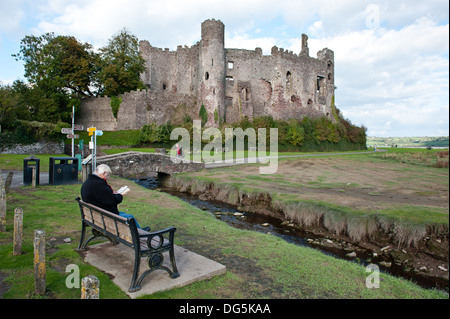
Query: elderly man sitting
point(96, 191)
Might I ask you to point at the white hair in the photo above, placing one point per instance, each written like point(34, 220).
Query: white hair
point(102, 168)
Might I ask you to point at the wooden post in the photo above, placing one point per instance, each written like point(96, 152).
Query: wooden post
point(33, 176)
point(90, 287)
point(39, 261)
point(8, 181)
point(2, 204)
point(18, 228)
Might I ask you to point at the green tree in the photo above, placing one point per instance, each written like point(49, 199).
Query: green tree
point(60, 64)
point(122, 64)
point(295, 133)
point(60, 70)
point(34, 104)
point(8, 104)
point(203, 114)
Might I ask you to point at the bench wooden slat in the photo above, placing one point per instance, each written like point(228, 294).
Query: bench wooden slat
point(125, 233)
point(87, 214)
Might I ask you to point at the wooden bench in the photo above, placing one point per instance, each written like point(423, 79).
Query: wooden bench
point(124, 230)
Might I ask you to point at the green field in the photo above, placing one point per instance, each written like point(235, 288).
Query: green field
point(258, 265)
point(442, 141)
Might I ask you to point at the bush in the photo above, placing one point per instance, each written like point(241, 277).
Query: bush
point(153, 133)
point(29, 132)
point(319, 134)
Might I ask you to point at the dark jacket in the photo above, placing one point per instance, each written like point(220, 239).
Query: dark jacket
point(95, 190)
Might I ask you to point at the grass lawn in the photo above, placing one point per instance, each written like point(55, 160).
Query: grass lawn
point(259, 265)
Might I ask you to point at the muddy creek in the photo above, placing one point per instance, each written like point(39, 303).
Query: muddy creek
point(298, 236)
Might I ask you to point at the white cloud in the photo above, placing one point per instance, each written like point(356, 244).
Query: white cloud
point(391, 57)
point(397, 74)
point(11, 15)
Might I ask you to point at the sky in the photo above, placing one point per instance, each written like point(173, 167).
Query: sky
point(391, 56)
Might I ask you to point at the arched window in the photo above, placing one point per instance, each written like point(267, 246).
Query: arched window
point(288, 80)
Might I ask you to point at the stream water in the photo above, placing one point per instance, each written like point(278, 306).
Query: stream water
point(297, 236)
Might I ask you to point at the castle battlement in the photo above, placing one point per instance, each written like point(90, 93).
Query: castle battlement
point(230, 83)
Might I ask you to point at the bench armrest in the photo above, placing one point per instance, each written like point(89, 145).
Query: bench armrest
point(162, 239)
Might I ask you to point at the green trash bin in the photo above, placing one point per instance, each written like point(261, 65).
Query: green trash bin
point(28, 164)
point(63, 170)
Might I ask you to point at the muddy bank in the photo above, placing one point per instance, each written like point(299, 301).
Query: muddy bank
point(421, 251)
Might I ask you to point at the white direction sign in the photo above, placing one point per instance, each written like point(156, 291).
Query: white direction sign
point(78, 127)
point(73, 136)
point(66, 130)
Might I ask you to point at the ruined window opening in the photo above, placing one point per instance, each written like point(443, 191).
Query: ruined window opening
point(214, 91)
point(164, 86)
point(329, 76)
point(230, 65)
point(229, 80)
point(321, 84)
point(245, 96)
point(206, 76)
point(288, 80)
point(212, 62)
point(310, 102)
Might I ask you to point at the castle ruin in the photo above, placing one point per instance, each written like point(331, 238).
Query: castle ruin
point(231, 83)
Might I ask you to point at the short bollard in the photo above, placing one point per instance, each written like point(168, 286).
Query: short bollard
point(39, 261)
point(33, 176)
point(2, 204)
point(18, 228)
point(90, 287)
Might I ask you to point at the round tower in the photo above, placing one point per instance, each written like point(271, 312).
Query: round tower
point(212, 70)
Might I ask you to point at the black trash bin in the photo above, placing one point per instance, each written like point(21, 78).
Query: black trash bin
point(28, 164)
point(63, 170)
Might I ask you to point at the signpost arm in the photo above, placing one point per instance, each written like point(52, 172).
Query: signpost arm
point(73, 131)
point(94, 166)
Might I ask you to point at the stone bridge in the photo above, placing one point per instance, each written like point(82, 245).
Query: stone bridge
point(140, 164)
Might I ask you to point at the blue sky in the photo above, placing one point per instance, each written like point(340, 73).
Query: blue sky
point(391, 57)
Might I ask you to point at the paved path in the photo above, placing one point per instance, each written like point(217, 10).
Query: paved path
point(265, 159)
point(17, 180)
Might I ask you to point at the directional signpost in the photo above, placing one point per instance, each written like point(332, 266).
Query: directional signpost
point(71, 131)
point(93, 133)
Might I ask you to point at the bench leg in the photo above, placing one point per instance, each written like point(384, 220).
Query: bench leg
point(175, 273)
point(83, 232)
point(135, 284)
point(155, 261)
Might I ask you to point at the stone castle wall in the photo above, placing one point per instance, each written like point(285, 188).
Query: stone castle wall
point(230, 83)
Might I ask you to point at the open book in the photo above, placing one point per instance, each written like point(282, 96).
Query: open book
point(123, 189)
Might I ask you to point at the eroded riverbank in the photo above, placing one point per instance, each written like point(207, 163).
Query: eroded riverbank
point(424, 261)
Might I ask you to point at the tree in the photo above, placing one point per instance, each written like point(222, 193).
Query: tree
point(8, 104)
point(122, 64)
point(60, 64)
point(60, 71)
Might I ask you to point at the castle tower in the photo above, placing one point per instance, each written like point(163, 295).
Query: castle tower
point(212, 70)
point(326, 57)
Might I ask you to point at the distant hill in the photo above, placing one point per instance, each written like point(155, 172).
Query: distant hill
point(424, 141)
